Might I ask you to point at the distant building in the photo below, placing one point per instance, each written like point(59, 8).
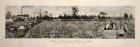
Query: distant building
point(25, 16)
point(8, 15)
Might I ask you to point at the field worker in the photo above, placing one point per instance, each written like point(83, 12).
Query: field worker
point(109, 26)
point(109, 32)
point(12, 29)
point(106, 26)
point(123, 29)
point(114, 25)
point(21, 31)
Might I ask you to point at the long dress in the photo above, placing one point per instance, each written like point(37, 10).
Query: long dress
point(108, 32)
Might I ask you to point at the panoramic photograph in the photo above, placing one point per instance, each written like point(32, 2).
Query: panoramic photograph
point(78, 22)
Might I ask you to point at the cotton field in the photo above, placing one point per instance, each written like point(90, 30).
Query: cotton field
point(75, 29)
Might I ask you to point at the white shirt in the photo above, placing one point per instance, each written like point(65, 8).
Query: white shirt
point(21, 27)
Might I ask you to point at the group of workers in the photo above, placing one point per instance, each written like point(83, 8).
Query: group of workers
point(115, 30)
point(20, 29)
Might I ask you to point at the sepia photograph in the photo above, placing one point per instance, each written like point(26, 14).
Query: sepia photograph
point(78, 22)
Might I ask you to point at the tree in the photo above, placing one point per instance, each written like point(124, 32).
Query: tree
point(101, 14)
point(8, 14)
point(103, 17)
point(75, 11)
point(131, 16)
point(125, 15)
point(46, 12)
point(60, 17)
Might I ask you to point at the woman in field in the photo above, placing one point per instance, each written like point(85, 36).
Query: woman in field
point(109, 31)
point(109, 25)
point(122, 29)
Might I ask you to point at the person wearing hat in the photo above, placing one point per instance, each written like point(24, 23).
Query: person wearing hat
point(21, 31)
point(109, 32)
point(122, 29)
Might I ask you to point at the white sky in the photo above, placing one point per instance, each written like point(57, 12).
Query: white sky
point(57, 10)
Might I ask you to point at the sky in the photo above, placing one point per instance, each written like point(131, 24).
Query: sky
point(55, 11)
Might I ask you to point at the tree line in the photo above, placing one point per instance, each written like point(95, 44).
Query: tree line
point(101, 15)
